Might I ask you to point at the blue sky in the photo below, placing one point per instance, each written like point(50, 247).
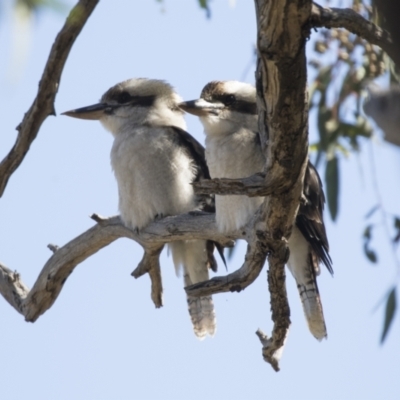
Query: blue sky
point(103, 338)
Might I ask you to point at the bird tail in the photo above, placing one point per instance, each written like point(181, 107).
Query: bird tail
point(312, 306)
point(193, 257)
point(304, 267)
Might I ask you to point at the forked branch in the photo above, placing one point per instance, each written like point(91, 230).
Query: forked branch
point(33, 303)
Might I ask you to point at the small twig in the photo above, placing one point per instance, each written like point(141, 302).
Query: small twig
point(53, 247)
point(257, 185)
point(43, 105)
point(263, 337)
point(150, 264)
point(98, 218)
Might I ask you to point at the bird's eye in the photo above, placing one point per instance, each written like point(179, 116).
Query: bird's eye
point(123, 97)
point(229, 99)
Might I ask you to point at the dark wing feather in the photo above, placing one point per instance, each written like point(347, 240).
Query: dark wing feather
point(310, 219)
point(194, 150)
point(206, 202)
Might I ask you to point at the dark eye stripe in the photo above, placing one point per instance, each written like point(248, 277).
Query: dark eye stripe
point(126, 98)
point(230, 101)
point(246, 107)
point(123, 97)
point(226, 99)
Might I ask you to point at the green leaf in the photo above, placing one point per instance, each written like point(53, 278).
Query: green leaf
point(332, 185)
point(396, 221)
point(324, 115)
point(367, 232)
point(389, 313)
point(371, 255)
point(204, 5)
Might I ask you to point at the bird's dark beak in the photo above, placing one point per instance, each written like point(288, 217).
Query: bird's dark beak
point(94, 112)
point(201, 107)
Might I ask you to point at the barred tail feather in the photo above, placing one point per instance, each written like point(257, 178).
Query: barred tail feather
point(312, 307)
point(193, 258)
point(304, 267)
point(201, 311)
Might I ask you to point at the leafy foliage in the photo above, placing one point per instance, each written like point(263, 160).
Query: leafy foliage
point(345, 66)
point(337, 94)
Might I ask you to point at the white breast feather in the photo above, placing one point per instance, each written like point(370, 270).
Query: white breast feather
point(153, 176)
point(236, 155)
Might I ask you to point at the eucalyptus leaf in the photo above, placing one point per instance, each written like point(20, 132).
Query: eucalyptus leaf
point(332, 186)
point(370, 254)
point(204, 4)
point(389, 313)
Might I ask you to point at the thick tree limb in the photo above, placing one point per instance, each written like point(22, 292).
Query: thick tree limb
point(43, 105)
point(354, 23)
point(283, 27)
point(281, 76)
point(33, 303)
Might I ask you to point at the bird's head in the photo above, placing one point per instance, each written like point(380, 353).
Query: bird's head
point(135, 102)
point(224, 107)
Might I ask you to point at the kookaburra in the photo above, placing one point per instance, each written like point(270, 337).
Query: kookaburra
point(228, 112)
point(155, 162)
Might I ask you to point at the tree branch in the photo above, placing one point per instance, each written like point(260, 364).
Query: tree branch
point(150, 264)
point(281, 78)
point(43, 105)
point(272, 351)
point(33, 303)
point(237, 281)
point(251, 186)
point(256, 185)
point(354, 23)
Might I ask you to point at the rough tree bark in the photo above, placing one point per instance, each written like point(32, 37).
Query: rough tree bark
point(283, 29)
point(33, 303)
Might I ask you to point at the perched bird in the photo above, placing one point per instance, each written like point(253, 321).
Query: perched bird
point(228, 112)
point(155, 162)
